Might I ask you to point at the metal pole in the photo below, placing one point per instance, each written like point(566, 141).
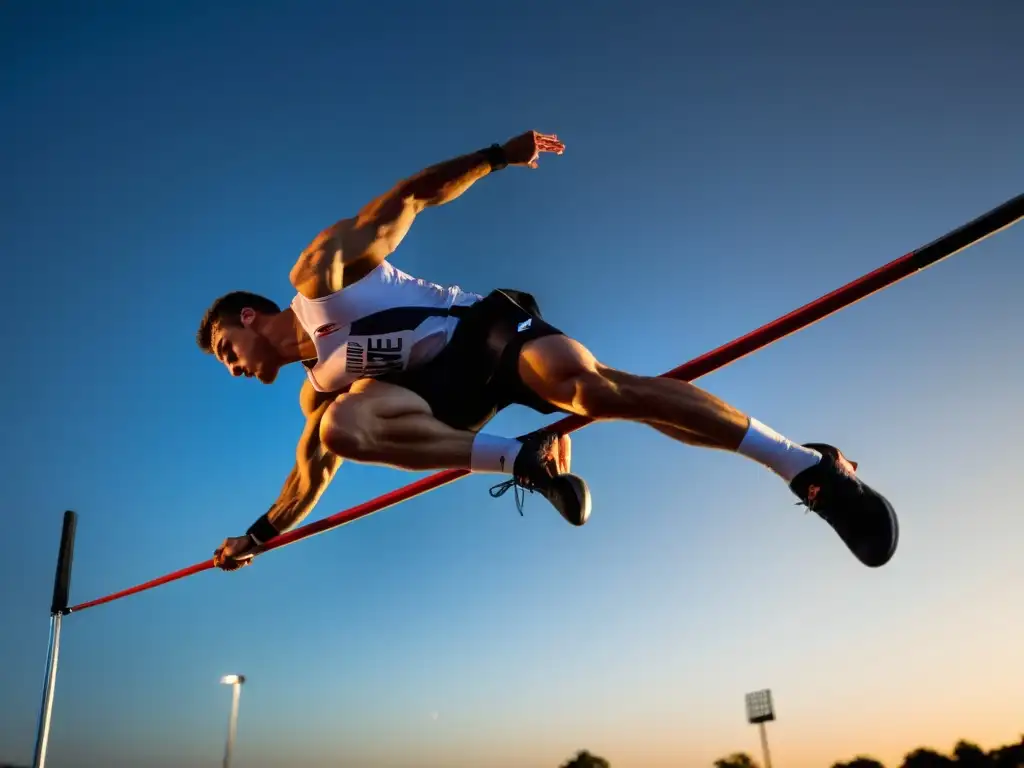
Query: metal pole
point(43, 731)
point(59, 603)
point(764, 746)
point(236, 692)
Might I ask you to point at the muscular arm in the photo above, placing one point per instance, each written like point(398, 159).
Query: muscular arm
point(313, 471)
point(349, 249)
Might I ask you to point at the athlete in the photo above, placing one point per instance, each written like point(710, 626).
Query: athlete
point(405, 373)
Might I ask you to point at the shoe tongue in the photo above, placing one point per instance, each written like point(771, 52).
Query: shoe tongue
point(846, 465)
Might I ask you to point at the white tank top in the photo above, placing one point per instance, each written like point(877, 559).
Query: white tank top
point(387, 321)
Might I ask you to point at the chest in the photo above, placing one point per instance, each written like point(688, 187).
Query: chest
point(345, 353)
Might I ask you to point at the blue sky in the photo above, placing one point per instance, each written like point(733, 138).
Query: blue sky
point(724, 164)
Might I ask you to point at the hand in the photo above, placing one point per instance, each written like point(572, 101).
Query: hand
point(234, 553)
point(526, 149)
point(564, 455)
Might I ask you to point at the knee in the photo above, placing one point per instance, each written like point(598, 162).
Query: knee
point(563, 372)
point(347, 430)
point(595, 392)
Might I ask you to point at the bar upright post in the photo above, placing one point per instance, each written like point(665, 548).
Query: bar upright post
point(59, 604)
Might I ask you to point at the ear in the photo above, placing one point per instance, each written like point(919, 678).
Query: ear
point(248, 315)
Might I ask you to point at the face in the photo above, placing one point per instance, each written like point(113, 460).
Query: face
point(244, 351)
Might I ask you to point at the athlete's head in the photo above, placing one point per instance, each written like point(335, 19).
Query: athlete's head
point(232, 330)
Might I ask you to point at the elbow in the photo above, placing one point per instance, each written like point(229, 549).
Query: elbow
point(412, 197)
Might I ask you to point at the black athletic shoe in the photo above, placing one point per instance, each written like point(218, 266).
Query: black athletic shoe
point(863, 518)
point(536, 469)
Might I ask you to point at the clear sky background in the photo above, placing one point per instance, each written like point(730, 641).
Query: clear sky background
point(725, 163)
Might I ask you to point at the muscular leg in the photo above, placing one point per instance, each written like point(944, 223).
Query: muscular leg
point(380, 423)
point(683, 435)
point(563, 372)
point(385, 424)
point(566, 374)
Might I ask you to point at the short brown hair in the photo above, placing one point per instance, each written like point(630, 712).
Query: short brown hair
point(228, 310)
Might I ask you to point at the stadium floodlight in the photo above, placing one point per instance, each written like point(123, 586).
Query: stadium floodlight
point(761, 710)
point(235, 681)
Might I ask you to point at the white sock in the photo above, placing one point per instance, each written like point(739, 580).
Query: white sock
point(494, 454)
point(781, 455)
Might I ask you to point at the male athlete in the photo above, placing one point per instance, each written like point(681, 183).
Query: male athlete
point(405, 373)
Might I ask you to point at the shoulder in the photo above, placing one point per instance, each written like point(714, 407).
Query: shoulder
point(335, 259)
point(320, 268)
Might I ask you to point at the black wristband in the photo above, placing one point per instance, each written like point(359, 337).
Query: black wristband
point(495, 155)
point(262, 530)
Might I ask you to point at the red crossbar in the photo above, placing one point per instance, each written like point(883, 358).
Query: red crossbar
point(984, 226)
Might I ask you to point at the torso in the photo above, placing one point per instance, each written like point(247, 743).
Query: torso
point(386, 321)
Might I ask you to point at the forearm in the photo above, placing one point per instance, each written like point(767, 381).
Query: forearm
point(442, 183)
point(296, 501)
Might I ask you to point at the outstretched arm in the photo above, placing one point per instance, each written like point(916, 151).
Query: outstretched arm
point(374, 234)
point(314, 469)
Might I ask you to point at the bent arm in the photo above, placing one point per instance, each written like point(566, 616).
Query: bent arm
point(441, 183)
point(314, 469)
point(378, 229)
point(387, 219)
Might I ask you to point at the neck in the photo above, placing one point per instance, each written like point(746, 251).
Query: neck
point(287, 336)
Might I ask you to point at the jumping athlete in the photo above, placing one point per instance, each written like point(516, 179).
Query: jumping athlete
point(405, 373)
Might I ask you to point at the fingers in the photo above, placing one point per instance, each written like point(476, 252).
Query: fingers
point(227, 562)
point(526, 149)
point(230, 564)
point(544, 142)
point(548, 142)
point(564, 454)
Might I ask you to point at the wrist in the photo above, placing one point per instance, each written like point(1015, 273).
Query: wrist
point(262, 531)
point(495, 156)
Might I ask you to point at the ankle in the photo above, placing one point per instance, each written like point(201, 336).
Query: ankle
point(780, 454)
point(494, 454)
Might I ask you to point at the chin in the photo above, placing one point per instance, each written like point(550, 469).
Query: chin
point(265, 376)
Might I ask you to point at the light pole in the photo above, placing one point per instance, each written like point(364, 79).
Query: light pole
point(761, 710)
point(235, 681)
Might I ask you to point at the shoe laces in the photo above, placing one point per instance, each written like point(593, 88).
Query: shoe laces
point(523, 484)
point(520, 492)
point(813, 492)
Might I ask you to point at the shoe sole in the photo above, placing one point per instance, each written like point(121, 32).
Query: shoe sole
point(825, 448)
point(581, 492)
point(895, 529)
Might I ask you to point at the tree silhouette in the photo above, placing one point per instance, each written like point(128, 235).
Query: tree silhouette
point(968, 755)
point(584, 759)
point(860, 761)
point(1010, 756)
point(965, 754)
point(923, 757)
point(736, 760)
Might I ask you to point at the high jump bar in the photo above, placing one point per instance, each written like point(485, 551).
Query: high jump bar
point(971, 233)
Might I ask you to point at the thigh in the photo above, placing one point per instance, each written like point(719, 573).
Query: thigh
point(368, 401)
point(387, 401)
point(553, 366)
point(350, 423)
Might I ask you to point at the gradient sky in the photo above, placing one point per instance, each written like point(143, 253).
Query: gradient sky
point(725, 163)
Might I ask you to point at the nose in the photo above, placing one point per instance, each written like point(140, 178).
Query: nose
point(236, 370)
